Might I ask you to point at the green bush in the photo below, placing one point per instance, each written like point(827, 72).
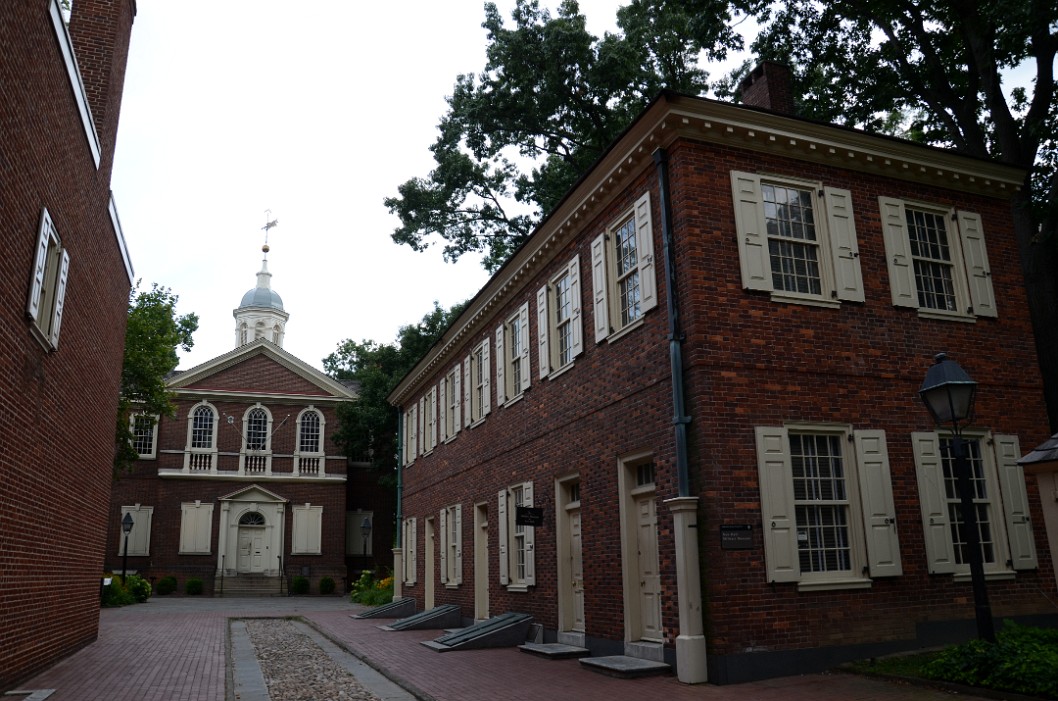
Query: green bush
point(114, 594)
point(193, 586)
point(370, 592)
point(166, 585)
point(300, 586)
point(327, 586)
point(1022, 660)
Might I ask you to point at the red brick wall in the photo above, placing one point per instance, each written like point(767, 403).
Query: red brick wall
point(259, 372)
point(57, 426)
point(748, 362)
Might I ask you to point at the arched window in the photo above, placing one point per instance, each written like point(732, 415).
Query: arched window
point(202, 424)
point(244, 334)
point(257, 430)
point(259, 330)
point(276, 331)
point(309, 458)
point(252, 518)
point(309, 432)
point(256, 455)
point(200, 453)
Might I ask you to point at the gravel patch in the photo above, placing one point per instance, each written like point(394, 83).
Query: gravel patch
point(297, 669)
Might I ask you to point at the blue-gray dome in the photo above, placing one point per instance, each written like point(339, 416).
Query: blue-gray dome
point(262, 297)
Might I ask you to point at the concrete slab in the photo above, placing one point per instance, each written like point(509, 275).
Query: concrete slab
point(625, 667)
point(555, 651)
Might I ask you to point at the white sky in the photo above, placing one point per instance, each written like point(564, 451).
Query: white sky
point(313, 110)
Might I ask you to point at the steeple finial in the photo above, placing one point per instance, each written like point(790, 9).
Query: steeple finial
point(269, 223)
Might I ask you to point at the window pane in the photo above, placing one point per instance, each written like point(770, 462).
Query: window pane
point(627, 258)
point(792, 242)
point(821, 502)
point(309, 438)
point(931, 254)
point(982, 502)
point(202, 428)
point(256, 430)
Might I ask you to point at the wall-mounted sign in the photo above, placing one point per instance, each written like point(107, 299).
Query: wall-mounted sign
point(736, 537)
point(528, 516)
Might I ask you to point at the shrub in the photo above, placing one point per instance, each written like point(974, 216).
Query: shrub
point(193, 586)
point(138, 587)
point(300, 586)
point(166, 585)
point(327, 586)
point(1022, 659)
point(371, 593)
point(114, 594)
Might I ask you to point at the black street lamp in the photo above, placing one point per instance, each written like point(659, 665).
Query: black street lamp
point(126, 525)
point(365, 530)
point(949, 394)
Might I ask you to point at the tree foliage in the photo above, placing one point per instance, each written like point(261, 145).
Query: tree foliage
point(152, 335)
point(368, 426)
point(551, 97)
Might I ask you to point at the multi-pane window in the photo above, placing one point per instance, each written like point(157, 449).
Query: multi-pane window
point(144, 435)
point(450, 400)
point(931, 253)
point(201, 453)
point(256, 430)
point(1000, 503)
point(558, 319)
point(518, 574)
point(517, 557)
point(564, 320)
point(645, 474)
point(47, 293)
point(452, 545)
point(622, 264)
point(821, 503)
point(937, 260)
point(793, 245)
point(309, 432)
point(477, 392)
point(796, 239)
point(512, 354)
point(827, 505)
point(202, 425)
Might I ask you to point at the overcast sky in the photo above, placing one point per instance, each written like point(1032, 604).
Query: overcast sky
point(316, 111)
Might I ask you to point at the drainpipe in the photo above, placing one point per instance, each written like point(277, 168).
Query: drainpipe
point(690, 643)
point(398, 552)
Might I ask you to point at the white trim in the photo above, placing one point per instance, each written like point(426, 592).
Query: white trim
point(62, 35)
point(119, 234)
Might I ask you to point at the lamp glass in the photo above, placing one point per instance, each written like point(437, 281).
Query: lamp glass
point(127, 523)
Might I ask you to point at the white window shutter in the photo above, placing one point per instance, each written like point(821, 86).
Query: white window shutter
point(422, 424)
point(599, 288)
point(982, 296)
point(433, 418)
point(60, 297)
point(1015, 503)
point(468, 409)
point(486, 372)
point(40, 266)
point(543, 327)
point(751, 232)
point(648, 285)
point(501, 362)
point(457, 406)
point(940, 552)
point(844, 248)
point(777, 504)
point(527, 373)
point(879, 510)
point(577, 346)
point(530, 538)
point(444, 546)
point(898, 253)
point(501, 517)
point(442, 402)
point(459, 544)
point(412, 550)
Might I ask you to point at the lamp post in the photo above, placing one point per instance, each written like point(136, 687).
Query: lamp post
point(949, 394)
point(365, 530)
point(126, 525)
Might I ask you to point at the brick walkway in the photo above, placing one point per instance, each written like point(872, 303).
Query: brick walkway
point(175, 649)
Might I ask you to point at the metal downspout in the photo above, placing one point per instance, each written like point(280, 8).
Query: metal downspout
point(691, 658)
point(400, 473)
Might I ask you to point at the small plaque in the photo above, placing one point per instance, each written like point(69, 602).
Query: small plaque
point(736, 537)
point(528, 516)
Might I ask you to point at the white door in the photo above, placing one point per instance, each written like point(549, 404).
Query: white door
point(481, 562)
point(576, 568)
point(245, 543)
point(251, 550)
point(649, 577)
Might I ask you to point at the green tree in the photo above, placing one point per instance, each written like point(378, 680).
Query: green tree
point(152, 335)
point(943, 65)
point(552, 96)
point(368, 426)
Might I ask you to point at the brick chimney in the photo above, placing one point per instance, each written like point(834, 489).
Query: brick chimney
point(769, 85)
point(100, 31)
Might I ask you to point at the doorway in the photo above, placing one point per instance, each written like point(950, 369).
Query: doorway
point(481, 562)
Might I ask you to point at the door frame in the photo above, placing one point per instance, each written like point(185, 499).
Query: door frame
point(481, 561)
point(232, 508)
point(430, 540)
point(629, 492)
point(563, 542)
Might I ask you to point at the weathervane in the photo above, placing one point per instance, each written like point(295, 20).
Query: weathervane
point(269, 223)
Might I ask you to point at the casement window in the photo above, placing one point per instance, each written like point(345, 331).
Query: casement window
point(201, 452)
point(937, 260)
point(827, 506)
point(411, 433)
point(517, 556)
point(622, 271)
point(411, 551)
point(477, 391)
point(512, 356)
point(452, 545)
point(1000, 502)
point(47, 290)
point(144, 428)
point(428, 421)
point(796, 239)
point(256, 455)
point(196, 528)
point(139, 538)
point(307, 533)
point(450, 401)
point(309, 457)
point(558, 322)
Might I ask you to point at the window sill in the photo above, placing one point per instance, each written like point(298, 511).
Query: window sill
point(561, 371)
point(616, 335)
point(810, 301)
point(518, 588)
point(1000, 576)
point(451, 586)
point(515, 400)
point(946, 316)
point(476, 423)
point(831, 584)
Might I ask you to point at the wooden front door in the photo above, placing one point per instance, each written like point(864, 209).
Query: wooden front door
point(649, 576)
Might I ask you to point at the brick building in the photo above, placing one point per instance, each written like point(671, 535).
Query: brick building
point(244, 487)
point(65, 283)
point(702, 369)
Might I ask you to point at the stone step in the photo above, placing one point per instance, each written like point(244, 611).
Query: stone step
point(555, 651)
point(625, 667)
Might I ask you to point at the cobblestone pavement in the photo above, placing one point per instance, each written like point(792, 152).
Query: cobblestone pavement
point(179, 649)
